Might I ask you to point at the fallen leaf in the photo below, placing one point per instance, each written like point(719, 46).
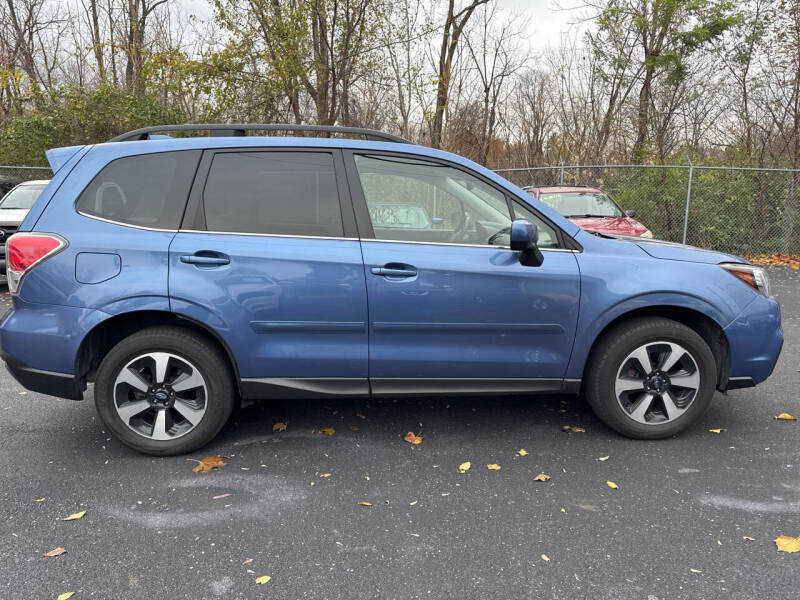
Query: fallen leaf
point(545, 558)
point(353, 428)
point(279, 426)
point(695, 570)
point(776, 260)
point(786, 417)
point(464, 467)
point(220, 496)
point(247, 561)
point(541, 477)
point(74, 516)
point(563, 510)
point(365, 503)
point(326, 430)
point(360, 416)
point(718, 430)
point(522, 452)
point(208, 463)
point(40, 500)
point(603, 458)
point(612, 485)
point(748, 538)
point(65, 596)
point(263, 579)
point(573, 429)
point(412, 438)
point(493, 467)
point(325, 475)
point(787, 544)
point(413, 503)
point(56, 551)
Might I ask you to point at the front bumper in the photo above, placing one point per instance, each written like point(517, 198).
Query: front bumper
point(61, 385)
point(755, 338)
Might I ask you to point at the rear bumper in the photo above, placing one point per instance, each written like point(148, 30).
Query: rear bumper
point(62, 385)
point(756, 339)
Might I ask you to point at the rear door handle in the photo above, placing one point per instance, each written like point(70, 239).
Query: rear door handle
point(208, 259)
point(388, 272)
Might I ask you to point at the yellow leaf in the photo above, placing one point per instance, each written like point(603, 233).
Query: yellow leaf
point(74, 516)
point(795, 267)
point(541, 477)
point(412, 438)
point(748, 538)
point(413, 503)
point(786, 417)
point(563, 510)
point(40, 500)
point(493, 467)
point(545, 558)
point(207, 464)
point(365, 503)
point(326, 430)
point(522, 452)
point(695, 570)
point(279, 426)
point(612, 485)
point(718, 430)
point(464, 467)
point(787, 544)
point(56, 552)
point(573, 429)
point(263, 579)
point(603, 458)
point(325, 475)
point(65, 596)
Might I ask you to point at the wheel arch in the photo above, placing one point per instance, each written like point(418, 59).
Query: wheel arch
point(103, 336)
point(706, 327)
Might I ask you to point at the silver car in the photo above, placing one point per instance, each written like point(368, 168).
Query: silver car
point(13, 208)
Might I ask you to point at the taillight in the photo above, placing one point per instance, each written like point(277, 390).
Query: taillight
point(25, 250)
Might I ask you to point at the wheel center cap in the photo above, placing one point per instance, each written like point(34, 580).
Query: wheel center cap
point(161, 397)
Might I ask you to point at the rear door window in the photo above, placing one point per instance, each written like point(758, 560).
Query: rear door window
point(147, 190)
point(273, 192)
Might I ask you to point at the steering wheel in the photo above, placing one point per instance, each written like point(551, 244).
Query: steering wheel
point(467, 230)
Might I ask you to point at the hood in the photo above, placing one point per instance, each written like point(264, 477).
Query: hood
point(614, 225)
point(12, 216)
point(674, 251)
point(58, 156)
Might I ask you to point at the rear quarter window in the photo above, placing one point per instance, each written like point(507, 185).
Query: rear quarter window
point(147, 190)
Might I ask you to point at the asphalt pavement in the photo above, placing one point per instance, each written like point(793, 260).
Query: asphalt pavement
point(692, 517)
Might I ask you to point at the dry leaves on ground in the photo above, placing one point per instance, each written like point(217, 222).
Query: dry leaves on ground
point(522, 452)
point(220, 496)
point(263, 579)
point(412, 438)
point(545, 558)
point(279, 426)
point(573, 429)
point(326, 430)
point(776, 260)
point(65, 596)
point(360, 416)
point(786, 417)
point(493, 467)
point(603, 459)
point(717, 430)
point(56, 551)
point(365, 503)
point(325, 475)
point(74, 516)
point(541, 477)
point(207, 464)
point(787, 544)
point(464, 467)
point(612, 485)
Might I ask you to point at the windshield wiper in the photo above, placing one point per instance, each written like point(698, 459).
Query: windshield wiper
point(589, 215)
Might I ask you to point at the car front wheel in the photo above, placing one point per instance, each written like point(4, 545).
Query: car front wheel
point(650, 378)
point(164, 391)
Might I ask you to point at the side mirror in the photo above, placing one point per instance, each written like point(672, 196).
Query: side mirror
point(524, 236)
point(630, 213)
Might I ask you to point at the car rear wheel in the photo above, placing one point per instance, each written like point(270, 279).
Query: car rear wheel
point(650, 378)
point(164, 391)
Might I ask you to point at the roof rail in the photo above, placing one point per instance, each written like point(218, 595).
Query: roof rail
point(240, 129)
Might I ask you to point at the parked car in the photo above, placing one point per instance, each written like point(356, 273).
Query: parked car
point(180, 275)
point(14, 207)
point(592, 209)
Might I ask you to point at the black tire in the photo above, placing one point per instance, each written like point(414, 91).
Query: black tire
point(606, 361)
point(209, 360)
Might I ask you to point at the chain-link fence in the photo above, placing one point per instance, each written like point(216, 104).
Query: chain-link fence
point(737, 210)
point(11, 176)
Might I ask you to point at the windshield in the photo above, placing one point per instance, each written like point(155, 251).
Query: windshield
point(582, 204)
point(22, 196)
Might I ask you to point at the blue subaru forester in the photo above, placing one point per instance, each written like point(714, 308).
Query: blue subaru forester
point(181, 275)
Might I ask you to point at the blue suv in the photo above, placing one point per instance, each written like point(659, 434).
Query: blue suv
point(181, 275)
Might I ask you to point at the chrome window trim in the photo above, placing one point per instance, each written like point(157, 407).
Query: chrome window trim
point(461, 245)
point(274, 235)
point(87, 215)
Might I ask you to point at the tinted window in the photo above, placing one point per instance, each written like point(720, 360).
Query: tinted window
point(547, 235)
point(148, 190)
point(287, 193)
point(419, 201)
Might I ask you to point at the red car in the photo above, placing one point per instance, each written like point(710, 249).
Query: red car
point(590, 208)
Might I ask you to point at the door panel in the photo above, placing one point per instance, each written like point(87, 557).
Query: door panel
point(469, 311)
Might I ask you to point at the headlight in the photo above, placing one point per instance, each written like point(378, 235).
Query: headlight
point(647, 234)
point(753, 276)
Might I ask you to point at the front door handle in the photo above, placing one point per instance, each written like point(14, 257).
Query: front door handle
point(206, 259)
point(389, 272)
